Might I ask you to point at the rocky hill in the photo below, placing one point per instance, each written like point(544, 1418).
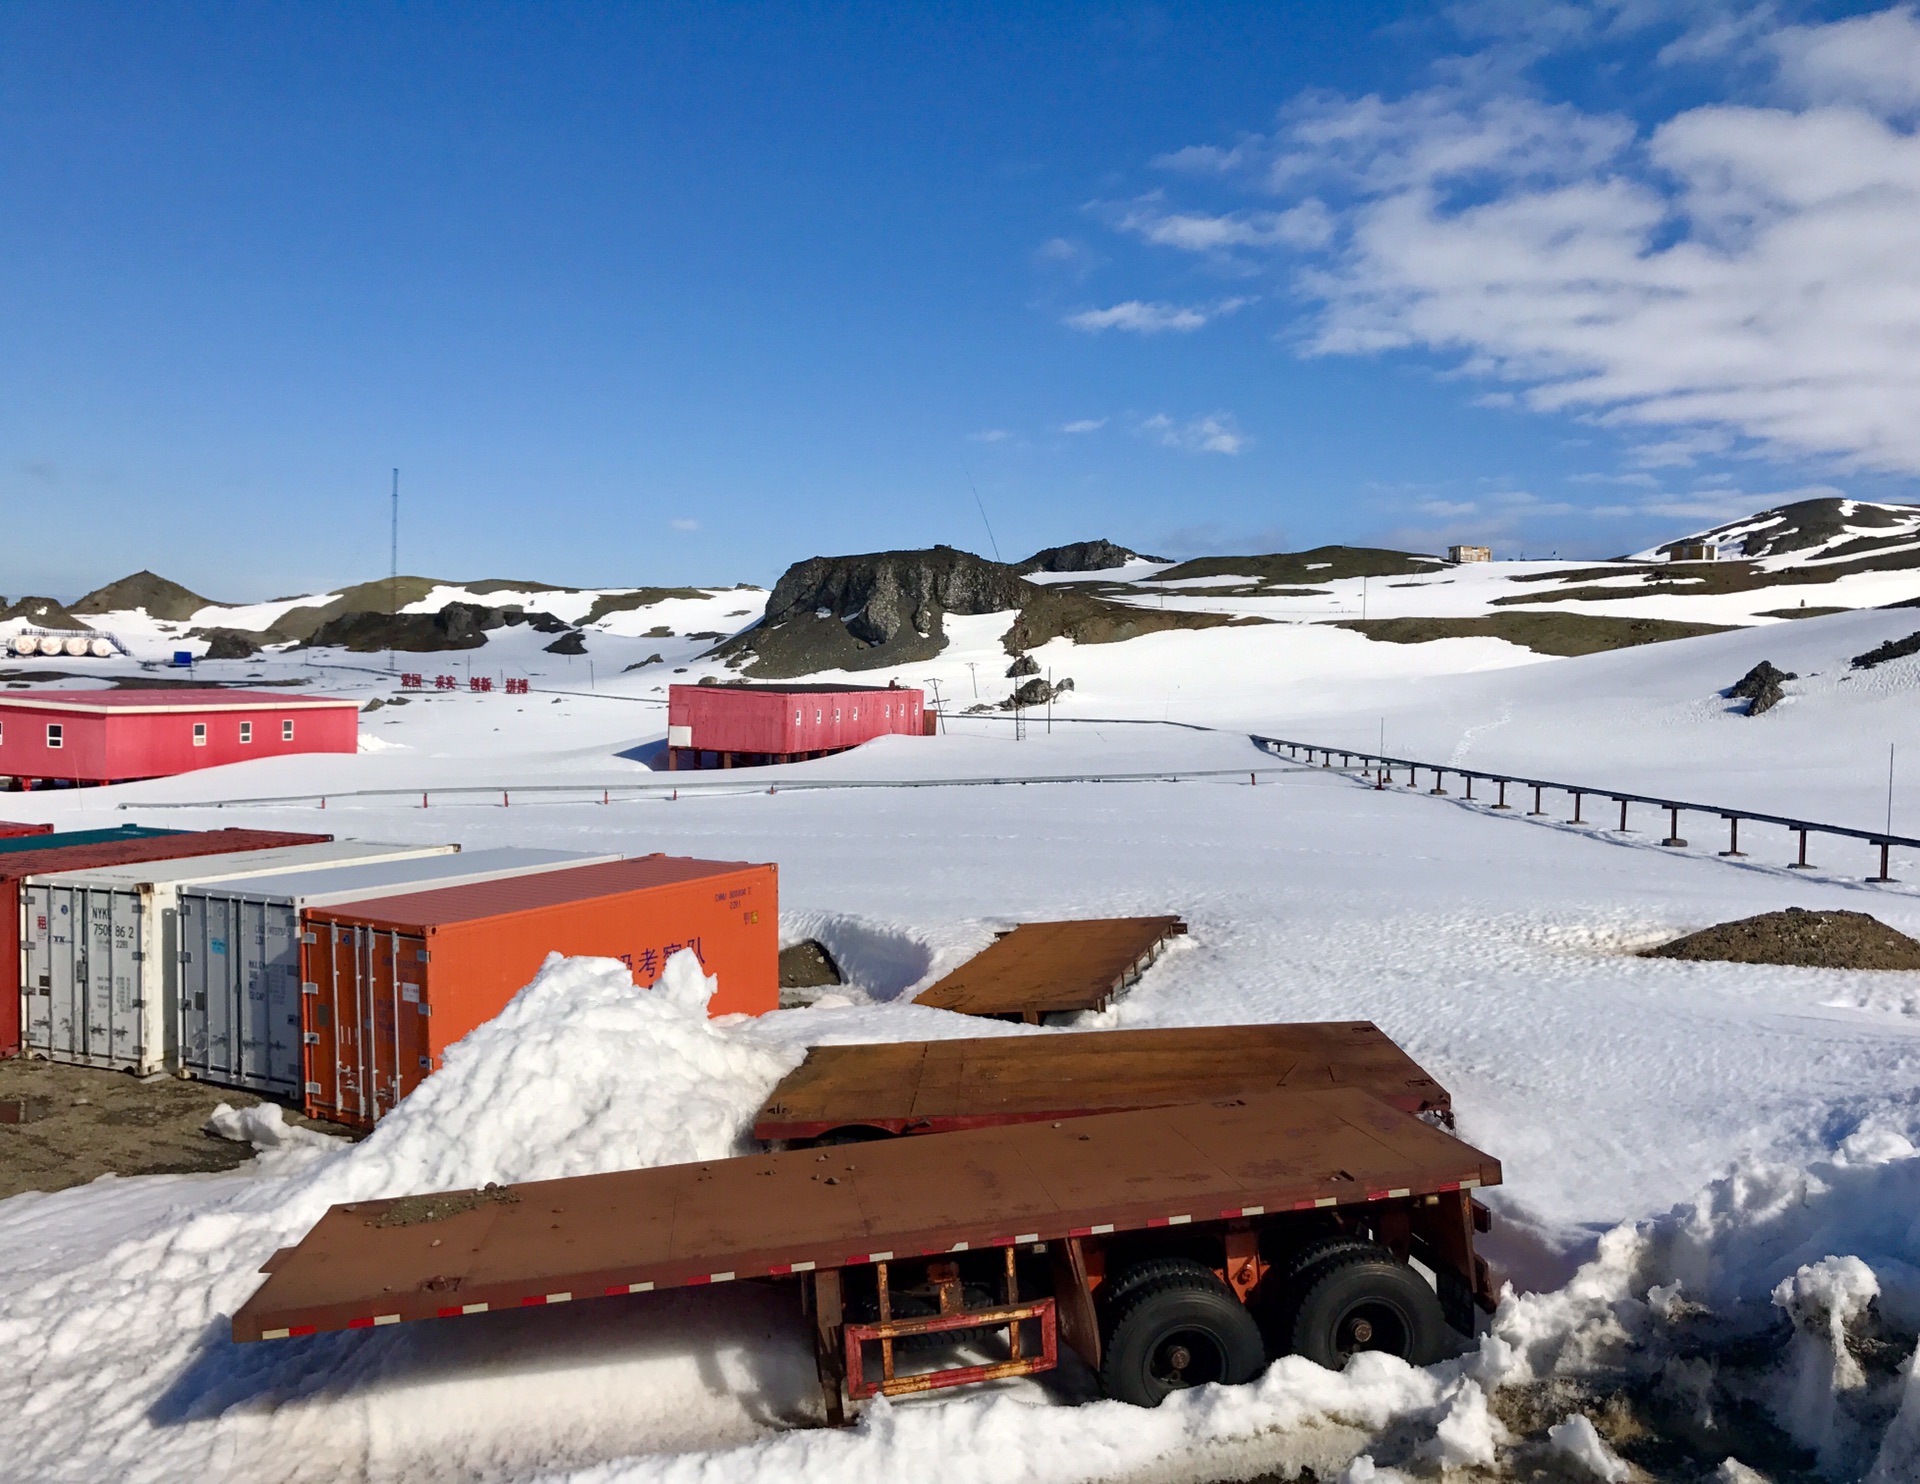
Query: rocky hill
point(883, 609)
point(1082, 556)
point(1848, 532)
point(44, 613)
point(159, 597)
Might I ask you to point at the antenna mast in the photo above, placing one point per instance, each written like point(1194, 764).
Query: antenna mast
point(393, 570)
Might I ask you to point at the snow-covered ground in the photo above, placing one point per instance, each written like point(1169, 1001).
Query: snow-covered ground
point(1724, 1128)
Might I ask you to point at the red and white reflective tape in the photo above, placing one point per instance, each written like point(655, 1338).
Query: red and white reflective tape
point(1169, 1220)
point(1103, 1229)
point(1026, 1237)
point(373, 1319)
point(533, 1299)
point(1243, 1211)
point(782, 1269)
point(619, 1288)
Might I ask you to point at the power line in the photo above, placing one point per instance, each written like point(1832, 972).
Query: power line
point(983, 509)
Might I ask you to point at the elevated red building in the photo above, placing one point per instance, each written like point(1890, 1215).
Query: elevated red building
point(750, 724)
point(115, 736)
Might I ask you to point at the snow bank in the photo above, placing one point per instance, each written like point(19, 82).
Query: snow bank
point(1576, 1439)
point(120, 1365)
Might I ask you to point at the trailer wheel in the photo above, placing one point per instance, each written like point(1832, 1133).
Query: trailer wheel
point(1175, 1330)
point(1367, 1302)
point(1276, 1302)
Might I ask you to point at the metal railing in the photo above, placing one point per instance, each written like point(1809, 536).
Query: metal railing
point(1383, 768)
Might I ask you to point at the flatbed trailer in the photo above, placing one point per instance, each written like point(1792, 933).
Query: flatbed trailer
point(847, 1093)
point(1167, 1246)
point(1053, 968)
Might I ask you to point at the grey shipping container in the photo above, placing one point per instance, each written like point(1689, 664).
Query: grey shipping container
point(95, 946)
point(237, 975)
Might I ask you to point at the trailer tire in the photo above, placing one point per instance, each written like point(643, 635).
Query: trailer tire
point(1112, 1294)
point(1175, 1330)
point(1367, 1302)
point(1276, 1302)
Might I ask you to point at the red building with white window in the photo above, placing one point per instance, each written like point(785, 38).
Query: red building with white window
point(784, 723)
point(114, 736)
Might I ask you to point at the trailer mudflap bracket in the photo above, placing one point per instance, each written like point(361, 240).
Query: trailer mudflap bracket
point(1007, 1316)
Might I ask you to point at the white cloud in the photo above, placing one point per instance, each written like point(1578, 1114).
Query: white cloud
point(990, 435)
point(1307, 225)
point(1213, 432)
point(684, 524)
point(1151, 319)
point(1740, 275)
point(1084, 425)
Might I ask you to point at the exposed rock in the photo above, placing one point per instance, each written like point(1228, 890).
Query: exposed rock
point(1083, 556)
point(227, 644)
point(1321, 564)
point(1025, 665)
point(160, 598)
point(45, 613)
point(885, 609)
point(652, 659)
point(544, 623)
point(808, 965)
point(456, 626)
point(1893, 649)
point(1801, 939)
point(571, 642)
point(1035, 692)
point(1761, 687)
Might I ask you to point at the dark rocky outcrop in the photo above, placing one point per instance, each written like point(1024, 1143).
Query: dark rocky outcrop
point(885, 609)
point(1760, 686)
point(571, 642)
point(227, 644)
point(1025, 665)
point(1035, 692)
point(1083, 556)
point(456, 626)
point(161, 598)
point(46, 613)
point(1893, 649)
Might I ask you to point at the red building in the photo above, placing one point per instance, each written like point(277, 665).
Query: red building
point(784, 723)
point(113, 736)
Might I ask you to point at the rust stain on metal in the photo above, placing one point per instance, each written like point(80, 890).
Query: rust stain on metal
point(766, 1215)
point(1050, 968)
point(934, 1086)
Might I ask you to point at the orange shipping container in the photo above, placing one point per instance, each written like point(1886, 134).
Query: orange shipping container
point(388, 985)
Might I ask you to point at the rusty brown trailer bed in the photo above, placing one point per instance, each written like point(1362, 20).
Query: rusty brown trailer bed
point(376, 1263)
point(1053, 968)
point(917, 1087)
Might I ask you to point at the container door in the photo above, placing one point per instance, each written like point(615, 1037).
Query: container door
point(197, 988)
point(273, 1060)
point(83, 958)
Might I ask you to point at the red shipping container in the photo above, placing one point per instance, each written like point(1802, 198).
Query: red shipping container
point(11, 831)
point(390, 984)
point(106, 736)
point(784, 721)
point(17, 865)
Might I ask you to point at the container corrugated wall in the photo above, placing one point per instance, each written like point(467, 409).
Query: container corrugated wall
point(237, 979)
point(84, 850)
point(76, 924)
point(391, 985)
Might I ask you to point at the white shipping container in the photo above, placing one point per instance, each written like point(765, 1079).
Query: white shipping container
point(96, 947)
point(237, 975)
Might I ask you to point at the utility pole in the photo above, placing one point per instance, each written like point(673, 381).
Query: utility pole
point(1049, 700)
point(393, 572)
point(938, 711)
point(973, 669)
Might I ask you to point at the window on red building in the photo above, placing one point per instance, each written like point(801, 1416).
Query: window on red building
point(56, 736)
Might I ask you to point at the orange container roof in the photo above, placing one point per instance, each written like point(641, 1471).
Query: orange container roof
point(480, 900)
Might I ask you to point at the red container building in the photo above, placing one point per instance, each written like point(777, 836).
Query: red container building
point(113, 736)
point(389, 984)
point(784, 723)
point(133, 849)
point(9, 830)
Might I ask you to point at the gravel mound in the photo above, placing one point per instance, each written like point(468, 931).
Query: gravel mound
point(1799, 939)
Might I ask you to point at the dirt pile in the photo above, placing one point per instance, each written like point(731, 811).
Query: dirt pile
point(1800, 939)
point(227, 644)
point(884, 609)
point(1083, 556)
point(1760, 687)
point(161, 598)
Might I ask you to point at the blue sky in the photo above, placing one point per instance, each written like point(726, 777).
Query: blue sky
point(663, 294)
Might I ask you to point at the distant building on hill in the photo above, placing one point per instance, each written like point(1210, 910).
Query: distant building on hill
point(1469, 554)
point(1695, 551)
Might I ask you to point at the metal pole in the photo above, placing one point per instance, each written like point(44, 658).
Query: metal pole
point(1673, 827)
point(1801, 864)
point(393, 571)
point(1733, 838)
point(1050, 708)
